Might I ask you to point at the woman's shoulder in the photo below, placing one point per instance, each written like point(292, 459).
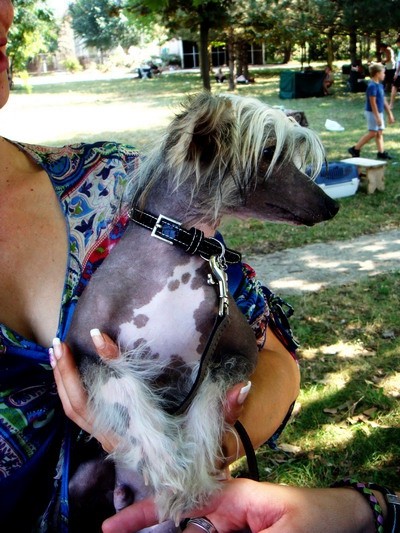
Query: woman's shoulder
point(45, 155)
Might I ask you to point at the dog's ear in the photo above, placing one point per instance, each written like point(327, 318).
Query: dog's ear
point(204, 130)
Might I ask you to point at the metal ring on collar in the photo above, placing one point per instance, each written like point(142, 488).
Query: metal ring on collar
point(204, 524)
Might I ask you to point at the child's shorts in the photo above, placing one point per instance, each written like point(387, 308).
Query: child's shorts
point(371, 121)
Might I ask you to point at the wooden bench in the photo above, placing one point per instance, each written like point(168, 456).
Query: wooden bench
point(372, 170)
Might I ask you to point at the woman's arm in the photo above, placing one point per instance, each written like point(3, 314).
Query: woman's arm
point(275, 386)
point(265, 507)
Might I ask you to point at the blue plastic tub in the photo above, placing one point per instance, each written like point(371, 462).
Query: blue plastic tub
point(338, 179)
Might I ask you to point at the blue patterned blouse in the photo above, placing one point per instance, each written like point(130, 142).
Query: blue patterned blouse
point(35, 436)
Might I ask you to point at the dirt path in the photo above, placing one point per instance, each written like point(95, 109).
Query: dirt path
point(316, 266)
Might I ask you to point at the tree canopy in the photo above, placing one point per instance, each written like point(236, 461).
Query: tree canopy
point(34, 31)
point(283, 24)
point(102, 24)
point(318, 28)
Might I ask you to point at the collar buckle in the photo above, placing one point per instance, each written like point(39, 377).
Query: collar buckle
point(166, 229)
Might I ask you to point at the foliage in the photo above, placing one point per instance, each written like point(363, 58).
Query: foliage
point(197, 16)
point(71, 64)
point(102, 24)
point(34, 31)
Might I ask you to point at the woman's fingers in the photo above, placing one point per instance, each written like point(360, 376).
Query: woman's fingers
point(72, 393)
point(132, 518)
point(235, 399)
point(105, 347)
point(70, 388)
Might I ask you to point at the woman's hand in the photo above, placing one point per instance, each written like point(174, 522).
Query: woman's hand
point(70, 388)
point(243, 504)
point(74, 397)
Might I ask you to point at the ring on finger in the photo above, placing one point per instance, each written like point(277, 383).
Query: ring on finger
point(204, 524)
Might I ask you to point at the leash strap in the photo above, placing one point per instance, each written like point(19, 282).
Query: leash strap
point(219, 326)
point(249, 451)
point(218, 278)
point(192, 240)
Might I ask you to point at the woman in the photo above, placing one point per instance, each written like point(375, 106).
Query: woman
point(60, 217)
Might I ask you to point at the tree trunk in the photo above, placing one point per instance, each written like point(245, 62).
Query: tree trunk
point(378, 41)
point(203, 53)
point(240, 57)
point(353, 45)
point(287, 53)
point(329, 48)
point(231, 60)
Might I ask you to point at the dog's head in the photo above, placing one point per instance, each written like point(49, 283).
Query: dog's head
point(236, 155)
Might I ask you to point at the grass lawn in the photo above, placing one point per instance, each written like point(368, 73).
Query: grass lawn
point(348, 416)
point(136, 112)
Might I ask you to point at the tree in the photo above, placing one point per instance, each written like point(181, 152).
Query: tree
point(102, 24)
point(34, 31)
point(198, 16)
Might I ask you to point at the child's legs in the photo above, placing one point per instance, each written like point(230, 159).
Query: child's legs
point(364, 139)
point(379, 140)
point(374, 131)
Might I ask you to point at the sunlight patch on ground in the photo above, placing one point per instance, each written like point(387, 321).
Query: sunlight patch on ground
point(391, 385)
point(332, 435)
point(344, 350)
point(48, 119)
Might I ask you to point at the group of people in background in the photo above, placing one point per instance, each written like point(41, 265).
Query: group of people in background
point(391, 61)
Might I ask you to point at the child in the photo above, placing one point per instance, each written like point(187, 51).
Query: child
point(374, 107)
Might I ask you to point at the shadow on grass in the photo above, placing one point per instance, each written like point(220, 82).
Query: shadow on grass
point(349, 420)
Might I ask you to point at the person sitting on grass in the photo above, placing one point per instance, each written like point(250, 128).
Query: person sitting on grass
point(374, 106)
point(220, 76)
point(328, 80)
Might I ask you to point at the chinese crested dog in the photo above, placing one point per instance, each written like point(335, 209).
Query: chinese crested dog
point(164, 304)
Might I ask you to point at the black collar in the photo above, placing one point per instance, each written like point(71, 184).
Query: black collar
point(192, 240)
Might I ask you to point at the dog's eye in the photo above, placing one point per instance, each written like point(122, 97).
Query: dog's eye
point(268, 153)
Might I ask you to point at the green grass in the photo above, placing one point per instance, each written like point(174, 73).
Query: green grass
point(348, 418)
point(348, 412)
point(136, 112)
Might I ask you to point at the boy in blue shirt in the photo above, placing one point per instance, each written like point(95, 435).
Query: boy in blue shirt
point(374, 107)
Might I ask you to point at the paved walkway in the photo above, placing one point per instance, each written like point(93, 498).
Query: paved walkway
point(312, 267)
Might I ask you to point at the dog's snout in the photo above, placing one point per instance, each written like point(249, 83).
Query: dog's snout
point(332, 208)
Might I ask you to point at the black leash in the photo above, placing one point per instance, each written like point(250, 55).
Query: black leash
point(249, 451)
point(194, 242)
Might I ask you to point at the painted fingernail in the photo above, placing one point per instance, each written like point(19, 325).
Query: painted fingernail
point(52, 359)
point(98, 339)
point(57, 349)
point(244, 391)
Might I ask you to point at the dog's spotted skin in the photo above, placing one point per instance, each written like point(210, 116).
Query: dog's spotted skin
point(222, 155)
point(186, 298)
